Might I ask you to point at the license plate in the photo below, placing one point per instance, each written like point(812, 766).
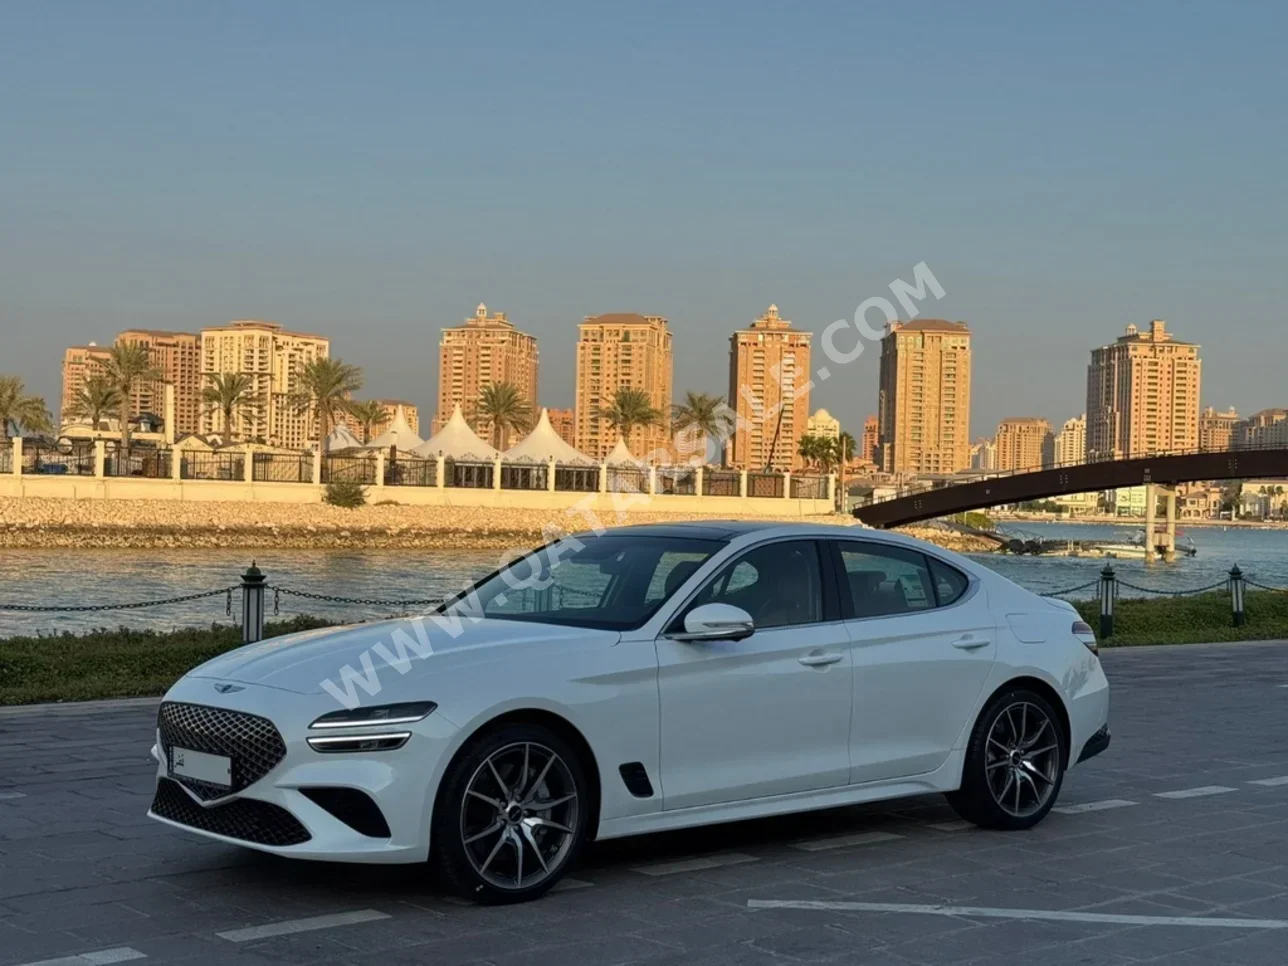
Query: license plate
point(213, 769)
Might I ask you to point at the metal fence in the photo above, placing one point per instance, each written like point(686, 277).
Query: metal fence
point(411, 472)
point(6, 455)
point(677, 480)
point(809, 487)
point(765, 484)
point(524, 476)
point(212, 466)
point(721, 483)
point(281, 468)
point(576, 478)
point(627, 479)
point(151, 464)
point(349, 469)
point(66, 460)
point(469, 474)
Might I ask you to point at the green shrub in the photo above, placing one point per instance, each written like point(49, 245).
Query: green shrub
point(116, 663)
point(1200, 619)
point(348, 495)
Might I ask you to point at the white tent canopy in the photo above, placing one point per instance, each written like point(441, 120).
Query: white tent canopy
point(341, 438)
point(398, 435)
point(544, 444)
point(621, 455)
point(456, 441)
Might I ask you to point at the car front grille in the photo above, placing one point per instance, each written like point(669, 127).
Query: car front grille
point(252, 743)
point(244, 819)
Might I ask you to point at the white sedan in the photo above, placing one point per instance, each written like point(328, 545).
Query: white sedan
point(634, 680)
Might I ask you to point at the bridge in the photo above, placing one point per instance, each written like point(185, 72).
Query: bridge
point(1160, 472)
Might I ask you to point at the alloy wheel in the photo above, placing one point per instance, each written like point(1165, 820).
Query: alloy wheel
point(519, 816)
point(1022, 762)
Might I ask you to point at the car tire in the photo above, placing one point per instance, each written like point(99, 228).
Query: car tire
point(496, 838)
point(1015, 763)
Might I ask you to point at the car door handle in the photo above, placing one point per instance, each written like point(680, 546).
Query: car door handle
point(969, 642)
point(820, 659)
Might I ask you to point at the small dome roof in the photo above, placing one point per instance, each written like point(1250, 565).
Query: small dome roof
point(398, 435)
point(621, 455)
point(544, 444)
point(341, 438)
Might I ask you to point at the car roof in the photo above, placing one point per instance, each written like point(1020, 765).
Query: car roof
point(729, 529)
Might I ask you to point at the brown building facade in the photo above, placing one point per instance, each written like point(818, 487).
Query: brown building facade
point(273, 358)
point(1264, 430)
point(483, 351)
point(1143, 395)
point(924, 405)
point(1218, 431)
point(178, 356)
point(871, 439)
point(622, 350)
point(80, 362)
point(769, 385)
point(564, 422)
point(1024, 443)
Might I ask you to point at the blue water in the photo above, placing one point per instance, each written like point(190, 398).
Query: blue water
point(64, 577)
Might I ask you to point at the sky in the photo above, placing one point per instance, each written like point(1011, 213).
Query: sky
point(372, 171)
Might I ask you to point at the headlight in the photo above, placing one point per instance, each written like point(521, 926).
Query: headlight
point(1083, 632)
point(384, 714)
point(385, 741)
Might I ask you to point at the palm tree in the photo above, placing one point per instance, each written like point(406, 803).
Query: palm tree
point(704, 416)
point(630, 408)
point(366, 415)
point(845, 448)
point(229, 394)
point(816, 450)
point(23, 412)
point(324, 389)
point(129, 364)
point(501, 406)
point(95, 399)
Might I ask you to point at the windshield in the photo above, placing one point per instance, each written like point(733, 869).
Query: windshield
point(615, 581)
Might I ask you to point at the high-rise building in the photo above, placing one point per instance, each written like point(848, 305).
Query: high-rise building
point(824, 424)
point(1143, 395)
point(925, 397)
point(622, 350)
point(484, 350)
point(1071, 441)
point(1217, 431)
point(1023, 443)
point(177, 355)
point(983, 455)
point(273, 358)
point(80, 362)
point(769, 381)
point(564, 422)
point(1264, 430)
point(871, 439)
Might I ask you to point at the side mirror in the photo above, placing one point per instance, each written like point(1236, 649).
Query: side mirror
point(715, 622)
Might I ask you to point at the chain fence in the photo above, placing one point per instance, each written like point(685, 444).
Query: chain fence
point(336, 599)
point(226, 592)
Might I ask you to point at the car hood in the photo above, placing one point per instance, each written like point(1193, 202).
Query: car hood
point(302, 662)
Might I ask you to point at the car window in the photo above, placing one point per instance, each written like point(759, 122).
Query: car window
point(950, 583)
point(778, 584)
point(615, 581)
point(883, 581)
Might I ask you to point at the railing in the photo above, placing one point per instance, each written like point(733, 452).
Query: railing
point(628, 479)
point(577, 478)
point(677, 480)
point(524, 476)
point(151, 464)
point(765, 484)
point(349, 469)
point(721, 483)
point(468, 474)
point(68, 460)
point(809, 487)
point(281, 468)
point(6, 456)
point(212, 466)
point(411, 472)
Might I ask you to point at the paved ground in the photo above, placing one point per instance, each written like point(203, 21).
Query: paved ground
point(1190, 822)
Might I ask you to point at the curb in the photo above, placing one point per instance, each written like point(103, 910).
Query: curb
point(70, 708)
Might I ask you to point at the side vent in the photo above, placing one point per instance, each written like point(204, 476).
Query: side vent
point(635, 776)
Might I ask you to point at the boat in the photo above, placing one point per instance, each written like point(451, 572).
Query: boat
point(1133, 547)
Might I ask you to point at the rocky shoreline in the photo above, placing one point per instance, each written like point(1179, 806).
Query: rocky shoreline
point(33, 523)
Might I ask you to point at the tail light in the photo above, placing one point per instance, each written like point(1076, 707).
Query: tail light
point(1083, 632)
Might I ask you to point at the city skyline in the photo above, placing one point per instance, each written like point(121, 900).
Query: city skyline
point(1131, 176)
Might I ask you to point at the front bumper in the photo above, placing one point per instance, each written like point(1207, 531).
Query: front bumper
point(275, 814)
